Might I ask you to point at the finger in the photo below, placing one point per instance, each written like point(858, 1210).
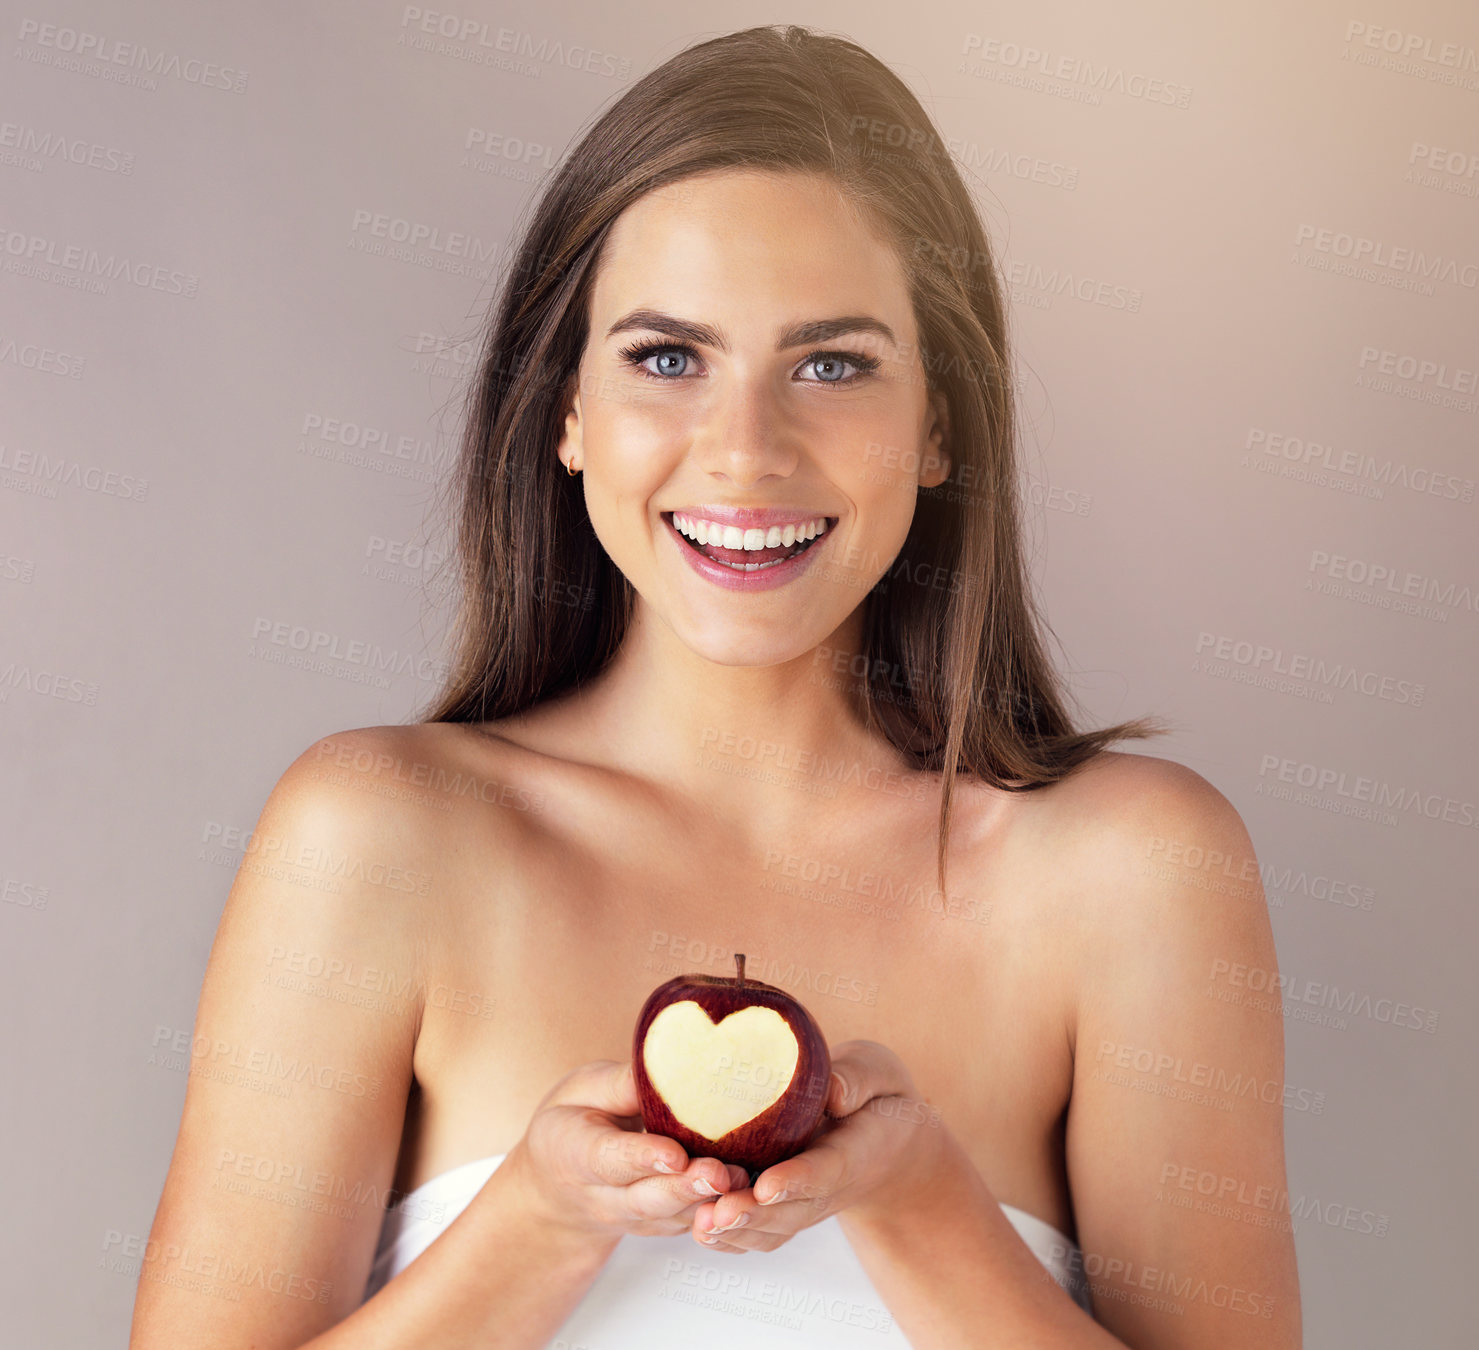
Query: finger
point(720, 1245)
point(746, 1240)
point(654, 1197)
point(741, 1212)
point(878, 1096)
point(748, 1233)
point(728, 1211)
point(892, 1126)
point(710, 1230)
point(862, 1070)
point(710, 1178)
point(618, 1157)
point(665, 1198)
point(606, 1085)
point(729, 1214)
point(877, 1131)
point(803, 1183)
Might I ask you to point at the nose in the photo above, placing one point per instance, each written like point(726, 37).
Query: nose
point(747, 437)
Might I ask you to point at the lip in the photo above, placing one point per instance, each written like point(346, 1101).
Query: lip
point(751, 517)
point(767, 578)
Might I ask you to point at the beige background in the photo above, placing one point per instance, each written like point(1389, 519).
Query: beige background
point(179, 476)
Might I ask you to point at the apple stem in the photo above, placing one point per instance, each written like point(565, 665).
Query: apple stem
point(739, 962)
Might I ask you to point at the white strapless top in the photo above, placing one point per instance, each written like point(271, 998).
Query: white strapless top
point(811, 1293)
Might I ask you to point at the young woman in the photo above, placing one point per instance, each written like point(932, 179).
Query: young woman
point(747, 663)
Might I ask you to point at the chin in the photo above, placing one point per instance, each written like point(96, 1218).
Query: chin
point(773, 641)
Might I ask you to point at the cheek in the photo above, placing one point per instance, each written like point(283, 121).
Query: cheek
point(632, 439)
point(630, 450)
point(879, 468)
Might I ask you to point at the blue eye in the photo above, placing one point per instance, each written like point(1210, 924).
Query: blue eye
point(639, 353)
point(833, 361)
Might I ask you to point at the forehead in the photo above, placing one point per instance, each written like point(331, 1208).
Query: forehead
point(733, 242)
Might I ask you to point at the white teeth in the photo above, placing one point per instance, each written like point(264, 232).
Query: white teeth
point(731, 536)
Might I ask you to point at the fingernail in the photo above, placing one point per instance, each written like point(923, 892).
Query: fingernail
point(776, 1198)
point(702, 1187)
point(709, 1241)
point(662, 1166)
point(738, 1223)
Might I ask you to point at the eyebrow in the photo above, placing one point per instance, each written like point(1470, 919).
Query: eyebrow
point(797, 335)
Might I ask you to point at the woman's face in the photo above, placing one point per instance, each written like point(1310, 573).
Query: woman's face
point(701, 395)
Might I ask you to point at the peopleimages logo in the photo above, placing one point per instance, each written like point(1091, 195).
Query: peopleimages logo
point(1357, 468)
point(1070, 72)
point(1360, 250)
point(1356, 794)
point(42, 473)
point(1036, 285)
point(1453, 165)
point(1423, 380)
point(122, 62)
point(327, 647)
point(1262, 658)
point(1383, 577)
point(86, 268)
point(1290, 989)
point(480, 42)
point(44, 360)
point(46, 684)
point(1421, 369)
point(1414, 53)
point(1260, 1204)
point(420, 234)
point(33, 147)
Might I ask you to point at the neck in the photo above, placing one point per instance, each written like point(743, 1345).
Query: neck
point(762, 745)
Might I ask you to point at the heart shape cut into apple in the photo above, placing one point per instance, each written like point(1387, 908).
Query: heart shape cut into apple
point(715, 1078)
point(731, 1068)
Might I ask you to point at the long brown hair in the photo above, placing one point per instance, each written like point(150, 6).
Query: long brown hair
point(953, 668)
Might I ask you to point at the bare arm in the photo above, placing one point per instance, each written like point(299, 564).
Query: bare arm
point(1175, 1127)
point(1178, 1093)
point(500, 1275)
point(294, 1095)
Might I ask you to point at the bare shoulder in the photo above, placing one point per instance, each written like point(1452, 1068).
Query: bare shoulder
point(415, 812)
point(1115, 781)
point(1120, 809)
point(346, 842)
point(410, 753)
point(1160, 864)
point(420, 779)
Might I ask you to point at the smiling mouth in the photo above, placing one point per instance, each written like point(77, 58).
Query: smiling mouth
point(750, 559)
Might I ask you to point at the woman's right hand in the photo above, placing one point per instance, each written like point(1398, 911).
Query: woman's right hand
point(585, 1164)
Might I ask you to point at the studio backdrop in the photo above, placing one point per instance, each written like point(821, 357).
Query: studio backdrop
point(245, 253)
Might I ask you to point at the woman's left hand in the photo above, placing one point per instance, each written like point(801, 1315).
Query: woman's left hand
point(879, 1143)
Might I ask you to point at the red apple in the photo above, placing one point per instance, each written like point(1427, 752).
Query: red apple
point(732, 1069)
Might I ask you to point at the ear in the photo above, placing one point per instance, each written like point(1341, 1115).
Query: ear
point(934, 459)
point(571, 449)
